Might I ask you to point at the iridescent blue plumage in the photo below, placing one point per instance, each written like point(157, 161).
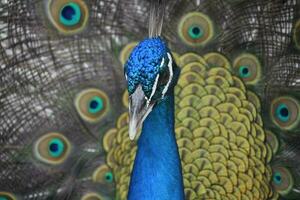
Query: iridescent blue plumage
point(157, 169)
point(144, 64)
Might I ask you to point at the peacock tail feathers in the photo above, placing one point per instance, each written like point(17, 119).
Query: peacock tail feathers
point(60, 91)
point(63, 125)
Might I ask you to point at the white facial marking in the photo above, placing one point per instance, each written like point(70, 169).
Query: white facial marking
point(153, 90)
point(155, 84)
point(162, 63)
point(170, 66)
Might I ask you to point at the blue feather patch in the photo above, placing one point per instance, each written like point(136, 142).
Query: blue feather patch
point(144, 64)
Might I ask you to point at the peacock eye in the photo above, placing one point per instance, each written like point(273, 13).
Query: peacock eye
point(103, 175)
point(195, 29)
point(70, 14)
point(282, 180)
point(277, 179)
point(244, 72)
point(52, 148)
point(282, 112)
point(195, 32)
point(56, 147)
point(91, 104)
point(69, 17)
point(96, 105)
point(109, 177)
point(6, 196)
point(248, 68)
point(285, 112)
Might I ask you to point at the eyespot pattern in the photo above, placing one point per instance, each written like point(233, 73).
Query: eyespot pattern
point(70, 14)
point(285, 112)
point(196, 29)
point(195, 32)
point(248, 68)
point(68, 17)
point(92, 104)
point(52, 148)
point(244, 72)
point(103, 174)
point(282, 180)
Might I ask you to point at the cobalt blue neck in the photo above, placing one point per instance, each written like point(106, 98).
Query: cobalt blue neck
point(157, 169)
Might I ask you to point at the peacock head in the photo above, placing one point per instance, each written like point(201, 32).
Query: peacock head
point(151, 74)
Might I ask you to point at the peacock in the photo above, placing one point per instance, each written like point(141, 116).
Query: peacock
point(201, 103)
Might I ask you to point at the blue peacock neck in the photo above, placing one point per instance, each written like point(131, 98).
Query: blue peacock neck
point(156, 172)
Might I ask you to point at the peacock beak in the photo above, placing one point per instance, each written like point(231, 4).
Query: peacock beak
point(139, 109)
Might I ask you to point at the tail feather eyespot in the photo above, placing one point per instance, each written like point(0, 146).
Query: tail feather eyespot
point(285, 112)
point(68, 17)
point(92, 104)
point(196, 29)
point(52, 148)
